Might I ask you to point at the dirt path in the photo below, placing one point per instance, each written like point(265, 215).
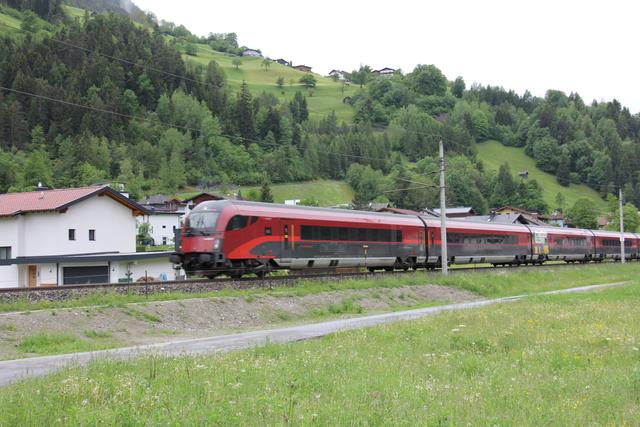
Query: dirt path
point(147, 323)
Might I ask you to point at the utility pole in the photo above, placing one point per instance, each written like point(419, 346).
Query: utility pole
point(622, 249)
point(443, 217)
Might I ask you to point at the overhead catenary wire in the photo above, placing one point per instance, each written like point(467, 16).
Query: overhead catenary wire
point(170, 125)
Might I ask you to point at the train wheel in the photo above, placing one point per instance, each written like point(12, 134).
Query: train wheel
point(261, 274)
point(235, 275)
point(371, 270)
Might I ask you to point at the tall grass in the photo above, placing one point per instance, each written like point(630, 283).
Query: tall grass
point(561, 360)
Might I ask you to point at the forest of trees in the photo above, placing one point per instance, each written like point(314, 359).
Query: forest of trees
point(161, 131)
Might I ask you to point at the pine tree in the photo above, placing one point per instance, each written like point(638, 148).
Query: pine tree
point(245, 119)
point(265, 191)
point(563, 174)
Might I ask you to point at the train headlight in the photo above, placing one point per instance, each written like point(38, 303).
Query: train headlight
point(216, 244)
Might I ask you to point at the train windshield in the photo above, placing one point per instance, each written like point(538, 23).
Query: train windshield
point(201, 223)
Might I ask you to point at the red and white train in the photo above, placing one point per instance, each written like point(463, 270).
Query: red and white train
point(238, 237)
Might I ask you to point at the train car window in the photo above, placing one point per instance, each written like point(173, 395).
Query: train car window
point(254, 219)
point(237, 222)
point(343, 233)
point(306, 232)
point(267, 231)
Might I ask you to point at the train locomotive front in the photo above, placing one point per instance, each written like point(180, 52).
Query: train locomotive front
point(200, 252)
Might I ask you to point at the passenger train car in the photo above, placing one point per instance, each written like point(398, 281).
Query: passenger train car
point(238, 237)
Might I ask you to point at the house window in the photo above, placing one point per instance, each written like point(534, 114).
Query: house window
point(164, 240)
point(164, 226)
point(92, 235)
point(5, 252)
point(72, 234)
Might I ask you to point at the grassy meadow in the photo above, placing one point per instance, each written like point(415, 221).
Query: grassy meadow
point(327, 192)
point(326, 97)
point(489, 283)
point(555, 360)
point(60, 343)
point(493, 154)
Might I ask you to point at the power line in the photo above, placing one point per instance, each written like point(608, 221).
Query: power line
point(412, 188)
point(170, 125)
point(179, 76)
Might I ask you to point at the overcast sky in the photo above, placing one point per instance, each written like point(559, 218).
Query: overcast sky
point(587, 47)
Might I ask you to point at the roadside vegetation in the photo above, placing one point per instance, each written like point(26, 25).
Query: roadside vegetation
point(553, 360)
point(61, 343)
point(488, 283)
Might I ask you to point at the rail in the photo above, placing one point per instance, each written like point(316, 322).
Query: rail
point(151, 287)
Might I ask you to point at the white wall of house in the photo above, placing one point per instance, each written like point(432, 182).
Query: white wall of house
point(53, 274)
point(48, 233)
point(9, 238)
point(162, 227)
point(9, 276)
point(152, 267)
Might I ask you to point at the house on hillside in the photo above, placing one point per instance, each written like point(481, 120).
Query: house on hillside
point(384, 72)
point(303, 68)
point(533, 217)
point(338, 74)
point(73, 236)
point(557, 220)
point(193, 201)
point(252, 52)
point(459, 212)
point(603, 221)
point(283, 62)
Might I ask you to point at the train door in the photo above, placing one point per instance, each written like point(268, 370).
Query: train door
point(287, 233)
point(540, 243)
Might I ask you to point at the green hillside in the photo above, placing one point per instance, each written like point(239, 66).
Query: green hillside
point(73, 12)
point(326, 97)
point(326, 192)
point(493, 154)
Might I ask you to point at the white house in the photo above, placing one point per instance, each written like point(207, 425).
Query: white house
point(165, 216)
point(338, 74)
point(385, 72)
point(73, 236)
point(252, 52)
point(163, 225)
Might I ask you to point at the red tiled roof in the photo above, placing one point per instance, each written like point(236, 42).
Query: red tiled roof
point(53, 200)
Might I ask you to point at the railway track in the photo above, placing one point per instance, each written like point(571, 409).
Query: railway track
point(252, 282)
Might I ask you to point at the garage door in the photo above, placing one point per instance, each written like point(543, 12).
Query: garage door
point(84, 275)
